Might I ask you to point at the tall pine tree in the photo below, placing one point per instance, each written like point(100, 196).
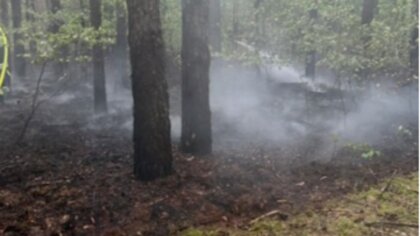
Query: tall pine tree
point(196, 116)
point(151, 136)
point(99, 85)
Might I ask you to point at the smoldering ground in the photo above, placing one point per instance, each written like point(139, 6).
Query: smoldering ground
point(267, 107)
point(275, 106)
point(279, 107)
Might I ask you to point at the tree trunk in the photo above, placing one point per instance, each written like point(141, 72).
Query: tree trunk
point(151, 136)
point(40, 5)
point(60, 67)
point(121, 45)
point(259, 24)
point(196, 115)
point(235, 24)
point(82, 7)
point(414, 44)
point(55, 6)
point(99, 86)
point(18, 48)
point(4, 12)
point(30, 10)
point(310, 60)
point(368, 13)
point(215, 32)
point(83, 47)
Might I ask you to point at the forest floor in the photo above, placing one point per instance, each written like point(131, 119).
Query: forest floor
point(73, 176)
point(377, 211)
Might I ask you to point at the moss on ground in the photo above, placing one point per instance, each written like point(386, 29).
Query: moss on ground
point(389, 208)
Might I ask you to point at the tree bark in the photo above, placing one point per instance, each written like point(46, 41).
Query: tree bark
point(259, 24)
point(4, 11)
point(30, 10)
point(310, 60)
point(235, 24)
point(215, 32)
point(414, 43)
point(82, 7)
point(99, 85)
point(55, 6)
point(121, 45)
point(196, 115)
point(19, 64)
point(151, 136)
point(60, 67)
point(368, 13)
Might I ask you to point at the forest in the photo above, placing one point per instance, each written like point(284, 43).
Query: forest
point(209, 117)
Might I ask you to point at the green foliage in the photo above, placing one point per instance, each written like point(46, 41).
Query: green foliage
point(364, 150)
point(171, 13)
point(267, 227)
point(197, 232)
point(286, 29)
point(282, 29)
point(404, 132)
point(371, 153)
point(74, 34)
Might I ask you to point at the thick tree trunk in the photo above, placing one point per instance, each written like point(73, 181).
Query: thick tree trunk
point(151, 136)
point(99, 86)
point(310, 60)
point(215, 31)
point(19, 64)
point(414, 44)
point(196, 115)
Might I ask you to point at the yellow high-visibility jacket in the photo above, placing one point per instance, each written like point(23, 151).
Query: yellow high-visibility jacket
point(4, 58)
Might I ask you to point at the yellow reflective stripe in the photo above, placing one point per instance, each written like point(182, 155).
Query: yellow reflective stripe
point(5, 58)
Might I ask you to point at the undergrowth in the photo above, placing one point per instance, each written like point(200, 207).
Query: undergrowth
point(390, 208)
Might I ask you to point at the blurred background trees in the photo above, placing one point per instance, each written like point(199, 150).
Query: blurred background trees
point(347, 36)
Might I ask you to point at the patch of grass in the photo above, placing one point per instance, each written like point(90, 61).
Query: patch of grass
point(267, 227)
point(393, 201)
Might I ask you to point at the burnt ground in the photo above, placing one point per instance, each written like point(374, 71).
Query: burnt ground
point(72, 175)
